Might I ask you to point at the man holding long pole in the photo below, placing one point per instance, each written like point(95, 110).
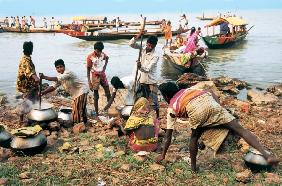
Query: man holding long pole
point(146, 69)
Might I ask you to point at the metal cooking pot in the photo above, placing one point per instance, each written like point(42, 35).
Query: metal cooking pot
point(45, 113)
point(256, 162)
point(65, 117)
point(30, 145)
point(65, 114)
point(5, 138)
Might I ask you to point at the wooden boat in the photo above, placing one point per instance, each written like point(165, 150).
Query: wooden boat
point(205, 18)
point(114, 35)
point(237, 34)
point(175, 59)
point(31, 30)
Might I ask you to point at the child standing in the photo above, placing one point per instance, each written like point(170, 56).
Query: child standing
point(97, 63)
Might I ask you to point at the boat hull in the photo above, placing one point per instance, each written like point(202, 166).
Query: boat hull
point(175, 60)
point(218, 42)
point(32, 30)
point(114, 36)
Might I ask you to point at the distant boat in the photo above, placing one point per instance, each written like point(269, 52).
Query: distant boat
point(114, 35)
point(224, 40)
point(205, 18)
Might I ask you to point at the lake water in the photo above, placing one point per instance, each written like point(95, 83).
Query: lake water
point(258, 60)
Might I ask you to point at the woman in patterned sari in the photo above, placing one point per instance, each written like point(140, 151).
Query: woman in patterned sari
point(141, 127)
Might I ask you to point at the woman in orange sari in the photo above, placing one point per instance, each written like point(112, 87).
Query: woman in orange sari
point(168, 34)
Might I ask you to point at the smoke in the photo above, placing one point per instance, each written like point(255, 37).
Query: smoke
point(24, 106)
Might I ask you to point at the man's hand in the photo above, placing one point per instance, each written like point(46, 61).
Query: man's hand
point(138, 64)
point(159, 159)
point(41, 75)
point(142, 32)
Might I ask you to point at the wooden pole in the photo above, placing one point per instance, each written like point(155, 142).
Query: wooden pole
point(40, 87)
point(139, 58)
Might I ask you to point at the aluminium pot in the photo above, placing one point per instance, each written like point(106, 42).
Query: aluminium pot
point(44, 113)
point(29, 145)
point(256, 162)
point(65, 116)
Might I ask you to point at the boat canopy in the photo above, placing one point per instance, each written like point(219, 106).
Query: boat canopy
point(84, 18)
point(235, 21)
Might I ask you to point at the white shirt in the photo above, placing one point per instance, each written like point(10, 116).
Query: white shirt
point(128, 82)
point(147, 74)
point(71, 83)
point(98, 63)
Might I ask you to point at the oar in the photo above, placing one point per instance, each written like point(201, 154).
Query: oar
point(139, 58)
point(40, 87)
point(250, 28)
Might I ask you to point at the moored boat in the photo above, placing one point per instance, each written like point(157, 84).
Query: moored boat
point(30, 30)
point(179, 61)
point(232, 31)
point(113, 35)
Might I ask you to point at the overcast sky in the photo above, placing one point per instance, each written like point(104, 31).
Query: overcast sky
point(75, 7)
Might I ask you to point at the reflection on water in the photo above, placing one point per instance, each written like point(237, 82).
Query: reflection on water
point(227, 54)
point(168, 71)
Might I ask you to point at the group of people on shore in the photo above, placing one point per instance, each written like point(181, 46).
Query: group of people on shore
point(27, 22)
point(207, 118)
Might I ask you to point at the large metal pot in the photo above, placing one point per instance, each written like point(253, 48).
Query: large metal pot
point(44, 113)
point(5, 138)
point(256, 162)
point(30, 145)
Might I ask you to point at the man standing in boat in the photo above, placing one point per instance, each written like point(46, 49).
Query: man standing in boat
point(146, 69)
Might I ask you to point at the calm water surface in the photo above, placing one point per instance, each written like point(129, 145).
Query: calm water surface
point(257, 60)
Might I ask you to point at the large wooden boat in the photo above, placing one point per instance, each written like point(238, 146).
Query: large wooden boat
point(237, 32)
point(30, 30)
point(113, 35)
point(176, 60)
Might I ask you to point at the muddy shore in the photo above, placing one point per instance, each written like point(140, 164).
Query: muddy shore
point(85, 164)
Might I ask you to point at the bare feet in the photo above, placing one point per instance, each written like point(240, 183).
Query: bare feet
point(273, 161)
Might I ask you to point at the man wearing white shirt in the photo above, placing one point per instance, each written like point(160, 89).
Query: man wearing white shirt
point(147, 69)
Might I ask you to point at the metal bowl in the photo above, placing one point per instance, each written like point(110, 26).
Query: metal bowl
point(256, 162)
point(30, 145)
point(5, 138)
